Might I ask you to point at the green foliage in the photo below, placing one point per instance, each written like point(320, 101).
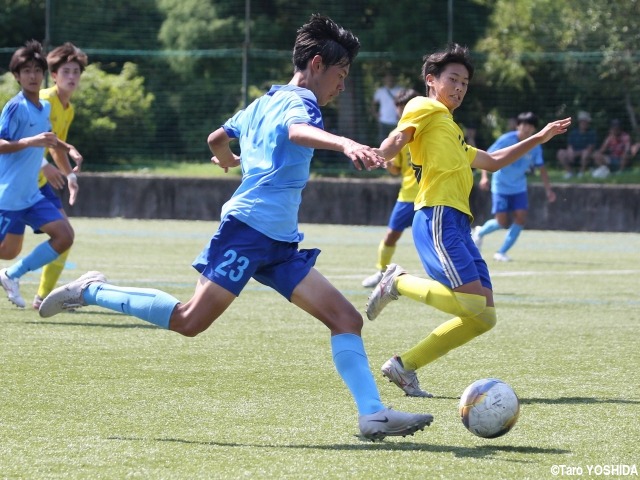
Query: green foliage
point(21, 20)
point(8, 87)
point(111, 110)
point(571, 49)
point(554, 58)
point(106, 24)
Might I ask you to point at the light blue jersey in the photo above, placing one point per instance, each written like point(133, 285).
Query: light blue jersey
point(19, 170)
point(513, 178)
point(274, 169)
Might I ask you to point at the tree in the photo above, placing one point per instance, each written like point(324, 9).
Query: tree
point(113, 114)
point(576, 54)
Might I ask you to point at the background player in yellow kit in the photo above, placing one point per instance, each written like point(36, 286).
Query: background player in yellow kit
point(401, 216)
point(66, 64)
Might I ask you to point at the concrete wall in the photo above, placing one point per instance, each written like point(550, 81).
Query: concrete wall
point(354, 201)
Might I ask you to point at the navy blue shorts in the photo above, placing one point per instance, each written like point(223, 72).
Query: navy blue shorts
point(442, 236)
point(237, 252)
point(401, 216)
point(37, 215)
point(509, 203)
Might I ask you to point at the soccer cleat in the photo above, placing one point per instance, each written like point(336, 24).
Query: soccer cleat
point(501, 257)
point(37, 301)
point(12, 287)
point(69, 296)
point(407, 380)
point(475, 236)
point(388, 422)
point(385, 291)
point(372, 280)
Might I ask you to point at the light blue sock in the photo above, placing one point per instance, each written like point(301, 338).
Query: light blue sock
point(489, 227)
point(351, 362)
point(510, 239)
point(39, 256)
point(151, 305)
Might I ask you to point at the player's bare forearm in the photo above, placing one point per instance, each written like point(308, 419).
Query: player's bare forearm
point(46, 139)
point(501, 158)
point(313, 137)
point(223, 156)
point(391, 146)
point(61, 160)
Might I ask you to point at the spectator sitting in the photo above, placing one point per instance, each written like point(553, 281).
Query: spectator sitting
point(581, 143)
point(614, 152)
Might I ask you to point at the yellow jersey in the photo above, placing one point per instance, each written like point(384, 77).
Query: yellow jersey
point(60, 118)
point(409, 184)
point(441, 158)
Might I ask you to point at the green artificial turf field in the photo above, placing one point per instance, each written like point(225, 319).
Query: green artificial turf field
point(95, 394)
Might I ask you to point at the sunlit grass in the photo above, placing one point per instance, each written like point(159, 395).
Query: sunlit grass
point(95, 394)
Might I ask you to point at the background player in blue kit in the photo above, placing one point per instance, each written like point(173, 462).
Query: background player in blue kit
point(509, 187)
point(258, 234)
point(25, 132)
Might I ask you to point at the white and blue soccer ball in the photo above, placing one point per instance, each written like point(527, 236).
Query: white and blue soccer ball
point(489, 408)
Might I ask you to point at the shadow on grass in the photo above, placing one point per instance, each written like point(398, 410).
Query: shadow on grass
point(577, 401)
point(93, 324)
point(480, 451)
point(563, 400)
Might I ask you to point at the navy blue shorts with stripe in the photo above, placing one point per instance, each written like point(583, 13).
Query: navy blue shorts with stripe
point(442, 236)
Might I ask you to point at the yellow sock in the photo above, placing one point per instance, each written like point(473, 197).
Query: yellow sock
point(446, 337)
point(50, 274)
point(440, 296)
point(385, 254)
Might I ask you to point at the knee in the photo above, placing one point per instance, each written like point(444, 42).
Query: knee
point(63, 242)
point(487, 319)
point(347, 322)
point(186, 329)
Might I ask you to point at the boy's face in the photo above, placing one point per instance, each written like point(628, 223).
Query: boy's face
point(326, 82)
point(67, 77)
point(451, 86)
point(525, 130)
point(30, 78)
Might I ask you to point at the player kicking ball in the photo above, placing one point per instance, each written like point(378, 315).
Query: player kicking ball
point(258, 234)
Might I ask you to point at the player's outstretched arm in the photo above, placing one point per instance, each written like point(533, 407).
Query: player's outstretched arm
point(391, 146)
point(500, 158)
point(313, 137)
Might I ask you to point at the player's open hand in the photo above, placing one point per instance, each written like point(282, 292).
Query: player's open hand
point(363, 155)
point(54, 176)
point(554, 128)
point(72, 180)
point(76, 156)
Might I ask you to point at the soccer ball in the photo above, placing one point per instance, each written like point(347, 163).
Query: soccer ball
point(489, 408)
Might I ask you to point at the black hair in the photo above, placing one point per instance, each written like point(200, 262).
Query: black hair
point(66, 53)
point(404, 95)
point(31, 52)
point(435, 63)
point(322, 36)
point(527, 117)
